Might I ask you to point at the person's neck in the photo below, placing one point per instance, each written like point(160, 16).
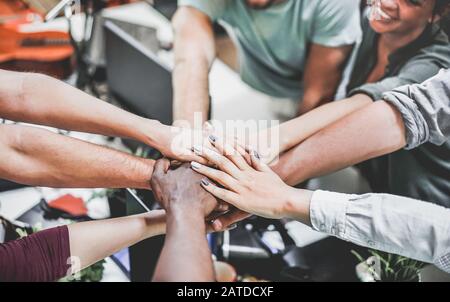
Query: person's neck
point(392, 42)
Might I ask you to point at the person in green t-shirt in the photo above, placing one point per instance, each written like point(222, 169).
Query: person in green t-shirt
point(289, 49)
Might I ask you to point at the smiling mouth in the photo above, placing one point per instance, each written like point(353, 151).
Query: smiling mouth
point(377, 13)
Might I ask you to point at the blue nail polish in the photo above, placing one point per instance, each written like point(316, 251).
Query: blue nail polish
point(205, 182)
point(212, 138)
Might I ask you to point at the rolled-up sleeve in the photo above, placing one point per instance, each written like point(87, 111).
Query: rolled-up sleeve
point(384, 222)
point(425, 109)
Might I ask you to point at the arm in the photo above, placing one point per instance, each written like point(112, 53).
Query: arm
point(194, 53)
point(39, 99)
point(185, 255)
point(293, 132)
point(93, 241)
point(370, 132)
point(41, 158)
point(45, 256)
point(323, 73)
point(389, 223)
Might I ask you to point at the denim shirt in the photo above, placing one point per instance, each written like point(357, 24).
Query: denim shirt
point(389, 223)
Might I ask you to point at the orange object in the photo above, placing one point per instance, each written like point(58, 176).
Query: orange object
point(48, 52)
point(69, 204)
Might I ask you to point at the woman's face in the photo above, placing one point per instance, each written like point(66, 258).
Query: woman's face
point(402, 16)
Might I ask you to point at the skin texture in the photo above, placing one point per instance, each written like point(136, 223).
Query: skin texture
point(187, 205)
point(195, 52)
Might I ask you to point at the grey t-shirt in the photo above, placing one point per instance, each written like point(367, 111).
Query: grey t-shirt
point(273, 42)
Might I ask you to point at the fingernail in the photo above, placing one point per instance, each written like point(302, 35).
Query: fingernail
point(195, 165)
point(205, 182)
point(256, 154)
point(232, 227)
point(212, 139)
point(197, 150)
point(217, 225)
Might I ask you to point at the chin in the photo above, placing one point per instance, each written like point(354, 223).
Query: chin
point(382, 27)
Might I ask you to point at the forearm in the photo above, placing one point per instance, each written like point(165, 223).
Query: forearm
point(41, 158)
point(185, 255)
point(323, 73)
point(96, 240)
point(40, 99)
point(373, 131)
point(194, 54)
point(297, 130)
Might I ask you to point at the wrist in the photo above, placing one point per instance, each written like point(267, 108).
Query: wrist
point(152, 132)
point(296, 204)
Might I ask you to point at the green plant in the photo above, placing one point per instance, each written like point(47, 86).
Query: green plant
point(393, 268)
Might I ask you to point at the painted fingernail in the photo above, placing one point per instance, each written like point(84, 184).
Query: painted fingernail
point(195, 165)
point(205, 182)
point(197, 150)
point(232, 227)
point(212, 138)
point(256, 154)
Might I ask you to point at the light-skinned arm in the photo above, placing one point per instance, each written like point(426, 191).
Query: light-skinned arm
point(195, 52)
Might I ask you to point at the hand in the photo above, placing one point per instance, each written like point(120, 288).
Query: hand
point(254, 188)
point(177, 143)
point(180, 189)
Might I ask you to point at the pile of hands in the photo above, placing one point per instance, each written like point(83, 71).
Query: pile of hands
point(222, 180)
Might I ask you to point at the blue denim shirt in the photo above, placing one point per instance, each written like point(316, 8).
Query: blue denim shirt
point(400, 225)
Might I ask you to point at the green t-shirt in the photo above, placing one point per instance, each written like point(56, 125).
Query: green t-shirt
point(273, 42)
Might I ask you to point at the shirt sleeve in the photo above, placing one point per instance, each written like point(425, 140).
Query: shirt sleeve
point(425, 109)
point(214, 9)
point(420, 68)
point(41, 257)
point(337, 23)
point(394, 224)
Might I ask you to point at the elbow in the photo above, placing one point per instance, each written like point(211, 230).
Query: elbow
point(194, 37)
point(395, 132)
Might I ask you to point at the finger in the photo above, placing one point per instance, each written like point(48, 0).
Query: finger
point(219, 160)
point(225, 221)
point(229, 151)
point(162, 166)
point(257, 163)
point(222, 194)
point(217, 176)
point(244, 154)
point(192, 156)
point(222, 207)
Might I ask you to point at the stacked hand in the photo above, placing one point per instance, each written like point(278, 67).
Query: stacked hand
point(252, 187)
point(179, 190)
